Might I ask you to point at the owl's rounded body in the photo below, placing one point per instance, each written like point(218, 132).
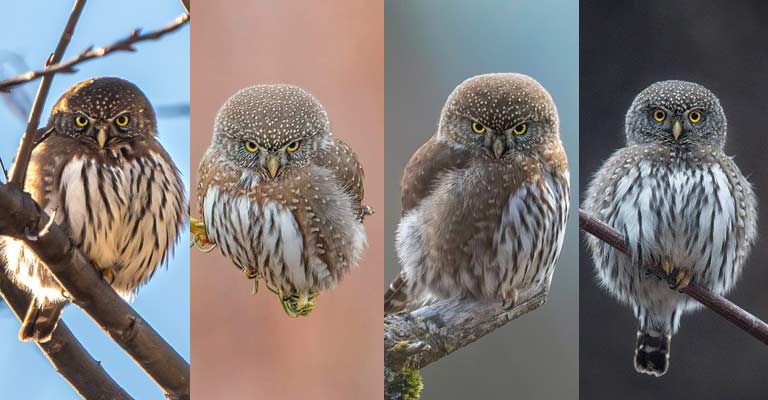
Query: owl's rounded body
point(122, 209)
point(301, 233)
point(693, 212)
point(486, 232)
point(280, 195)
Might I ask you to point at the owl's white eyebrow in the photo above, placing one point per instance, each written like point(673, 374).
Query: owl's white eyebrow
point(119, 114)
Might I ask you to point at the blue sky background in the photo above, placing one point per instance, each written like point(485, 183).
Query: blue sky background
point(31, 30)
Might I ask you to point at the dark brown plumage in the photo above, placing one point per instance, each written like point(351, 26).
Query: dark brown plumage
point(108, 180)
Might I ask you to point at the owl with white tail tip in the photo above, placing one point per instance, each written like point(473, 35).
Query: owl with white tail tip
point(681, 203)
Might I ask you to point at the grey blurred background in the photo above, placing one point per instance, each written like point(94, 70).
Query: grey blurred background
point(430, 47)
point(626, 46)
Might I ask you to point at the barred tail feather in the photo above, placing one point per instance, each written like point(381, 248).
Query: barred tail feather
point(397, 297)
point(652, 352)
point(41, 320)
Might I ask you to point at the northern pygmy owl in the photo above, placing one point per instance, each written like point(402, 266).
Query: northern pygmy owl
point(485, 199)
point(280, 195)
point(680, 202)
point(103, 174)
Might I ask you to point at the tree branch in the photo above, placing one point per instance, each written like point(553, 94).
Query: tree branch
point(65, 352)
point(90, 53)
point(413, 340)
point(719, 304)
point(21, 217)
point(27, 141)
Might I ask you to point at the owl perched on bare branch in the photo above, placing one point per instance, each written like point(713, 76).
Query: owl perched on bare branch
point(485, 200)
point(101, 171)
point(680, 202)
point(282, 197)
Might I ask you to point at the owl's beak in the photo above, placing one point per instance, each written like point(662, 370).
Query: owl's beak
point(273, 165)
point(102, 137)
point(677, 129)
point(498, 147)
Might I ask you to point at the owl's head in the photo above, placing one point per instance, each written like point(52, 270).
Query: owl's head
point(271, 128)
point(498, 115)
point(103, 113)
point(677, 114)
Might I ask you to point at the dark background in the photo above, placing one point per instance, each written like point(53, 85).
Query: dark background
point(626, 46)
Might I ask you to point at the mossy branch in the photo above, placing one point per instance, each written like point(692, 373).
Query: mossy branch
point(415, 339)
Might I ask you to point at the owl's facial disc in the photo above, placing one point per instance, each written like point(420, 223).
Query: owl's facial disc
point(676, 124)
point(273, 162)
point(103, 133)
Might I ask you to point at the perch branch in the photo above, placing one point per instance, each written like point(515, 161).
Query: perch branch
point(30, 133)
point(65, 352)
point(413, 340)
point(719, 304)
point(19, 215)
point(90, 53)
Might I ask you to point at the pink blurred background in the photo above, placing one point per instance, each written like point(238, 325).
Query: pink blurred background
point(244, 346)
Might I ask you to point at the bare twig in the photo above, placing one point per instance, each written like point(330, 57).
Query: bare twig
point(64, 351)
point(90, 53)
point(185, 3)
point(18, 214)
point(719, 304)
point(27, 141)
point(413, 340)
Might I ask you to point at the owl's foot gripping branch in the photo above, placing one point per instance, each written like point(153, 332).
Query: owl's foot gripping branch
point(415, 339)
point(719, 304)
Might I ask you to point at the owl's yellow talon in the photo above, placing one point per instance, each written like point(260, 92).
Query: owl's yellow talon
point(299, 305)
point(666, 265)
point(682, 280)
point(199, 236)
point(108, 274)
point(677, 278)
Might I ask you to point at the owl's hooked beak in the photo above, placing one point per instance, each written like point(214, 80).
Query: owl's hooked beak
point(677, 129)
point(102, 137)
point(273, 166)
point(499, 146)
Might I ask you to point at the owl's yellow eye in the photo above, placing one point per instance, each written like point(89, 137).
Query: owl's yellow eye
point(81, 121)
point(478, 127)
point(251, 147)
point(694, 116)
point(520, 129)
point(659, 115)
point(293, 146)
point(122, 121)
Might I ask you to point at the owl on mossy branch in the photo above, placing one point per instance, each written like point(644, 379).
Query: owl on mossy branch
point(280, 196)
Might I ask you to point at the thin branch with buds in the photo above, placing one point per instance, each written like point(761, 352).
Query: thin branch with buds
point(719, 304)
point(68, 66)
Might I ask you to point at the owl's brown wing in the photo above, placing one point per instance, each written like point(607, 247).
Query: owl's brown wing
point(343, 163)
point(45, 167)
point(425, 167)
point(204, 177)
